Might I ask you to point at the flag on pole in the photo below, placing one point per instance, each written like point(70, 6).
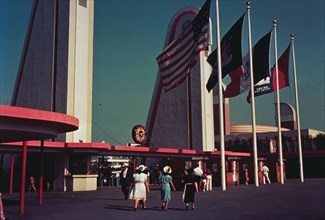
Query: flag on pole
point(283, 70)
point(231, 54)
point(240, 78)
point(177, 59)
point(268, 85)
point(261, 58)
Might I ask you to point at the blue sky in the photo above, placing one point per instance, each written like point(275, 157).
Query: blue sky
point(128, 36)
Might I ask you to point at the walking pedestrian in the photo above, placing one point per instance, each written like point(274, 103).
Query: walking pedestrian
point(138, 192)
point(198, 172)
point(209, 180)
point(246, 176)
point(204, 179)
point(156, 174)
point(265, 172)
point(2, 215)
point(166, 182)
point(31, 184)
point(126, 180)
point(49, 182)
point(190, 188)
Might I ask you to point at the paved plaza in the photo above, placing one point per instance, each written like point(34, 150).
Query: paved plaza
point(293, 200)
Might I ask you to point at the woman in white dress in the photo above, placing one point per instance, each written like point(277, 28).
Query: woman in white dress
point(140, 187)
point(2, 216)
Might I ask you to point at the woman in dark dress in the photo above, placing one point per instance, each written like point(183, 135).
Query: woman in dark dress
point(190, 188)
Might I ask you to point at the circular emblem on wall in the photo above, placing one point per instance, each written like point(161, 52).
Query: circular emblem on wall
point(139, 134)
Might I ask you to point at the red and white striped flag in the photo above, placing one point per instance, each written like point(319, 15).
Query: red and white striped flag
point(177, 59)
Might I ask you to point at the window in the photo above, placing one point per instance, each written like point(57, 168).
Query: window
point(83, 3)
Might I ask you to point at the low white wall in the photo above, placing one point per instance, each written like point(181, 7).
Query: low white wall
point(82, 182)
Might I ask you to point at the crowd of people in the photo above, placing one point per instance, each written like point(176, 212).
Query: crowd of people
point(289, 144)
point(135, 186)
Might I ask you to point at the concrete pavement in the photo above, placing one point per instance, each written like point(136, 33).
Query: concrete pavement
point(293, 200)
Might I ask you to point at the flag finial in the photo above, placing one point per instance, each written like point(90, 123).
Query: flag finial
point(248, 5)
point(274, 23)
point(292, 36)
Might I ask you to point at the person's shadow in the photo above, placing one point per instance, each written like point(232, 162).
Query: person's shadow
point(109, 199)
point(128, 208)
point(10, 202)
point(156, 208)
point(119, 207)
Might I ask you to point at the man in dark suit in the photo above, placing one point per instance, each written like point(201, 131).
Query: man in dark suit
point(126, 180)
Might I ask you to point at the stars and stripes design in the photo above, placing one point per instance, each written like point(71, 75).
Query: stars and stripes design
point(177, 59)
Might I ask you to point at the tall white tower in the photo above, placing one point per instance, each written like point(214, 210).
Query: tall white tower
point(170, 123)
point(56, 67)
point(80, 67)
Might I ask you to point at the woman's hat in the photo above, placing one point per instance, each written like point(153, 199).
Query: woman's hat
point(125, 165)
point(167, 169)
point(141, 168)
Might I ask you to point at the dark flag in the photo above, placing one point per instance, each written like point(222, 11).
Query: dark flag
point(240, 80)
point(177, 59)
point(268, 85)
point(261, 58)
point(231, 54)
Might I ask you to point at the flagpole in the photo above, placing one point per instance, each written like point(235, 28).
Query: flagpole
point(221, 123)
point(278, 103)
point(54, 57)
point(297, 109)
point(189, 111)
point(248, 6)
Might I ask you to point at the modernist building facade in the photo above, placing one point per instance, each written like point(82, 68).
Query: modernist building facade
point(56, 75)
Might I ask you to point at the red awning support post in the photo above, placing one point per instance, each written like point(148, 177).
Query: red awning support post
point(134, 161)
point(23, 178)
point(12, 161)
point(40, 191)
